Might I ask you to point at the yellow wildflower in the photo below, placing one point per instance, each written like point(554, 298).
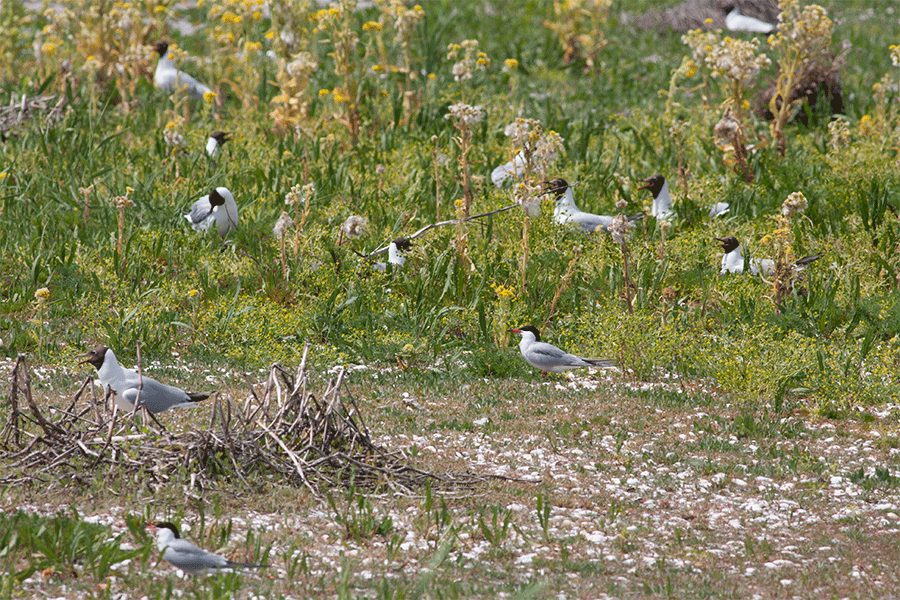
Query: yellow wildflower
point(209, 97)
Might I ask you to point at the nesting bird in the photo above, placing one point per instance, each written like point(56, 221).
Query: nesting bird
point(168, 78)
point(662, 200)
point(567, 212)
point(733, 260)
point(215, 142)
point(128, 385)
point(217, 208)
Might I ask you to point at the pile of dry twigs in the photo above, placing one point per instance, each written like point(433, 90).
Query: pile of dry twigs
point(288, 435)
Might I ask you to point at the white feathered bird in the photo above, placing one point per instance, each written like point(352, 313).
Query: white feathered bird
point(733, 260)
point(548, 357)
point(662, 200)
point(168, 78)
point(217, 208)
point(189, 557)
point(128, 385)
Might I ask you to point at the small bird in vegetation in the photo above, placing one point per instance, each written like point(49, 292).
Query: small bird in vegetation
point(566, 212)
point(215, 142)
point(219, 208)
point(394, 257)
point(733, 260)
point(168, 78)
point(662, 201)
point(548, 357)
point(735, 21)
point(188, 557)
point(128, 385)
point(513, 168)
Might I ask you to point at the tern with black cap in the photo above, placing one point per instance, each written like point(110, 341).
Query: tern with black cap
point(548, 357)
point(188, 557)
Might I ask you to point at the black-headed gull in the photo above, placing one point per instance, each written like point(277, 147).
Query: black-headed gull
point(548, 357)
point(168, 78)
point(733, 260)
point(189, 557)
point(128, 385)
point(218, 207)
point(662, 200)
point(567, 212)
point(215, 142)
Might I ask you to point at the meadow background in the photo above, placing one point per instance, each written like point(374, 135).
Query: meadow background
point(752, 421)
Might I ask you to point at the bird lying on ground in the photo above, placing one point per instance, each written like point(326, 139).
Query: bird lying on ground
point(168, 78)
point(218, 207)
point(662, 200)
point(566, 212)
point(733, 260)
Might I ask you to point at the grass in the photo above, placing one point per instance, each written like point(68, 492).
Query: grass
point(740, 432)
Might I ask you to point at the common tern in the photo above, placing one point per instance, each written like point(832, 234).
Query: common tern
point(168, 78)
point(128, 385)
point(733, 260)
point(215, 142)
point(662, 200)
point(735, 21)
point(566, 212)
point(218, 207)
point(548, 357)
point(188, 557)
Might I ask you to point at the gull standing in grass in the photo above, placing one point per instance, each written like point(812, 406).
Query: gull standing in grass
point(128, 385)
point(168, 78)
point(215, 142)
point(188, 557)
point(548, 357)
point(566, 212)
point(218, 207)
point(662, 200)
point(733, 260)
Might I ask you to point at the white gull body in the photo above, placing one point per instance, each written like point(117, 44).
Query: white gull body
point(219, 208)
point(662, 200)
point(168, 78)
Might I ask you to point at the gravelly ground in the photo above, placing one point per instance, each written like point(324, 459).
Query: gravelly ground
point(650, 495)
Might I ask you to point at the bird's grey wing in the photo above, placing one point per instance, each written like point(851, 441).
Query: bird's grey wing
point(188, 557)
point(156, 396)
point(808, 259)
point(549, 355)
point(590, 223)
point(200, 211)
point(196, 88)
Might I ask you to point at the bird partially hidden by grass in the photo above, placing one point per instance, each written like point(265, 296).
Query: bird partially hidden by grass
point(549, 358)
point(189, 557)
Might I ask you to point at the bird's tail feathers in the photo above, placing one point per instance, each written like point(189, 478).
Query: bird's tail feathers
point(601, 362)
point(199, 396)
point(237, 565)
point(635, 217)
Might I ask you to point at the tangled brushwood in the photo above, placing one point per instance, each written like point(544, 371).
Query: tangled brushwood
point(289, 435)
